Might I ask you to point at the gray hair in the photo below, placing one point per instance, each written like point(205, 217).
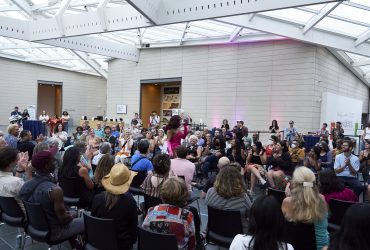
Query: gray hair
point(52, 142)
point(105, 147)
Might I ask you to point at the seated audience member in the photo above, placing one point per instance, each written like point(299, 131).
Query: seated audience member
point(338, 149)
point(194, 150)
point(299, 138)
point(42, 190)
point(332, 188)
point(180, 166)
point(154, 181)
point(326, 157)
point(269, 149)
point(198, 134)
point(99, 131)
point(296, 154)
point(312, 160)
point(354, 232)
point(116, 131)
point(72, 169)
point(346, 166)
point(3, 143)
point(105, 164)
point(118, 204)
point(92, 139)
point(77, 135)
point(236, 153)
point(304, 204)
point(172, 217)
point(104, 149)
point(149, 137)
point(279, 164)
point(265, 223)
point(161, 142)
point(25, 144)
point(108, 137)
point(12, 137)
point(9, 184)
point(86, 156)
point(222, 162)
point(139, 161)
point(365, 160)
point(255, 166)
point(229, 193)
point(125, 143)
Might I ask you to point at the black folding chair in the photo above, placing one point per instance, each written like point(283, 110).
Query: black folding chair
point(38, 227)
point(135, 188)
point(150, 201)
point(149, 240)
point(100, 233)
point(278, 194)
point(337, 210)
point(72, 191)
point(223, 226)
point(300, 235)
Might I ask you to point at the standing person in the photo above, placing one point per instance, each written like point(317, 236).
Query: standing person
point(15, 112)
point(323, 131)
point(240, 130)
point(53, 123)
point(354, 232)
point(44, 118)
point(338, 133)
point(264, 227)
point(174, 135)
point(41, 189)
point(304, 204)
point(154, 120)
point(290, 132)
point(25, 115)
point(65, 120)
point(346, 166)
point(12, 138)
point(274, 128)
point(118, 204)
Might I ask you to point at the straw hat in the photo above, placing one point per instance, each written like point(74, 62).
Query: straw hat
point(118, 180)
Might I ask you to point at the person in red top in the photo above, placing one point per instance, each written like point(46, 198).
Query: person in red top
point(174, 135)
point(332, 188)
point(271, 143)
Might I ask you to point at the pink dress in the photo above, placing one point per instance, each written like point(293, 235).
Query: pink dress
point(346, 195)
point(175, 140)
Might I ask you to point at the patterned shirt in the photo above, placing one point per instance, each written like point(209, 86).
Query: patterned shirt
point(12, 141)
point(169, 219)
point(10, 186)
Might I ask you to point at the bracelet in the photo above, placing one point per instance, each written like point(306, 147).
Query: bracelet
point(21, 171)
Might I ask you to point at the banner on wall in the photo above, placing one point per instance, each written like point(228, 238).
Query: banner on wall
point(341, 108)
point(32, 111)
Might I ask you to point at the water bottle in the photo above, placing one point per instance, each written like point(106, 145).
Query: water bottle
point(18, 241)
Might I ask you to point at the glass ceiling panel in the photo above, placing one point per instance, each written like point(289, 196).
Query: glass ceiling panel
point(343, 27)
point(294, 15)
point(362, 2)
point(352, 13)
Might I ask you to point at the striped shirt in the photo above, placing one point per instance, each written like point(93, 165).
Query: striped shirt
point(243, 204)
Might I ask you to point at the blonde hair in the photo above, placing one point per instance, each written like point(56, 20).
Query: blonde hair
point(174, 192)
point(11, 128)
point(307, 205)
point(229, 182)
point(193, 137)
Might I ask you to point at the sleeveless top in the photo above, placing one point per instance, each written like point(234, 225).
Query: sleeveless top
point(256, 159)
point(38, 190)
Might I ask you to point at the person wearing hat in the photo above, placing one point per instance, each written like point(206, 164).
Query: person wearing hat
point(42, 190)
point(118, 204)
point(290, 132)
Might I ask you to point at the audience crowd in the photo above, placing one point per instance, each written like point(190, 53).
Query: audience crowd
point(103, 168)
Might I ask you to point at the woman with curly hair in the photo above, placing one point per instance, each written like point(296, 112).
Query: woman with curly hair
point(304, 204)
point(174, 135)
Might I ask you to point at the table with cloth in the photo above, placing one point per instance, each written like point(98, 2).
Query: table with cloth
point(34, 126)
point(310, 141)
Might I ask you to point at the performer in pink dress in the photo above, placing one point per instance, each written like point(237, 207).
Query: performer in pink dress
point(174, 134)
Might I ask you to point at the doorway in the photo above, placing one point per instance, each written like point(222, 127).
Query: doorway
point(49, 98)
point(160, 95)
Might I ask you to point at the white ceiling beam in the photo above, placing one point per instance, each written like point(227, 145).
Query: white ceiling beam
point(148, 8)
point(24, 6)
point(362, 38)
point(59, 15)
point(140, 37)
point(47, 59)
point(362, 62)
point(292, 30)
point(96, 45)
point(235, 34)
point(187, 26)
point(321, 15)
point(102, 13)
point(92, 63)
point(9, 8)
point(346, 60)
point(21, 46)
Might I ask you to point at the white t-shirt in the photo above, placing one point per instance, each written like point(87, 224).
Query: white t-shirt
point(241, 242)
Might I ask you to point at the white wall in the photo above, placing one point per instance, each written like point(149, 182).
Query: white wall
point(256, 82)
point(82, 93)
